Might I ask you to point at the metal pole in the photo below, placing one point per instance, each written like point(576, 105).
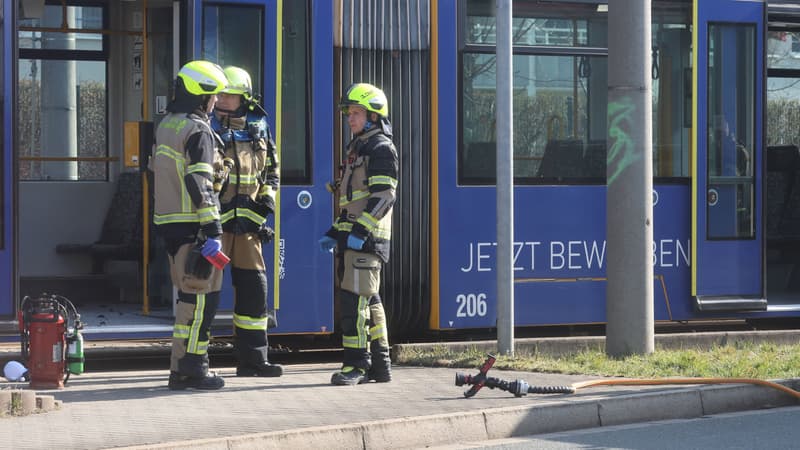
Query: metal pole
point(629, 294)
point(505, 181)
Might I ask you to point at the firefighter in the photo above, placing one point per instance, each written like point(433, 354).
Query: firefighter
point(362, 233)
point(247, 199)
point(186, 215)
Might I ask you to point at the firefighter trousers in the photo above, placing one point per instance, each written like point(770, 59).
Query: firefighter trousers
point(249, 278)
point(194, 313)
point(364, 331)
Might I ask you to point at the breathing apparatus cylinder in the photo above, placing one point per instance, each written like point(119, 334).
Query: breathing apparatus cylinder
point(75, 352)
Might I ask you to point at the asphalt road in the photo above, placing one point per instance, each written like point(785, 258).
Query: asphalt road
point(764, 429)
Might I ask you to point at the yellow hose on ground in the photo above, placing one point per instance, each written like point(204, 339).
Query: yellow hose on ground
point(665, 381)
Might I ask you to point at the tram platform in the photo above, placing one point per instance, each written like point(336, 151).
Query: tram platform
point(421, 407)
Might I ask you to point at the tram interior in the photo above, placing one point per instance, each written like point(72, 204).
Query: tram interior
point(783, 223)
point(782, 159)
point(88, 92)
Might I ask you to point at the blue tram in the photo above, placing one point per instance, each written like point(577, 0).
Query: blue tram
point(85, 81)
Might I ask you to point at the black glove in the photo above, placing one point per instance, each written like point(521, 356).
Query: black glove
point(266, 234)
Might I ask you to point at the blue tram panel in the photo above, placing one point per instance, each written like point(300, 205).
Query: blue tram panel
point(304, 303)
point(560, 257)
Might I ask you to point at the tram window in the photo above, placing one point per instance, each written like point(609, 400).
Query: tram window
point(564, 24)
point(783, 49)
point(672, 90)
point(560, 100)
point(783, 90)
point(62, 96)
point(731, 134)
point(559, 119)
point(234, 35)
point(295, 157)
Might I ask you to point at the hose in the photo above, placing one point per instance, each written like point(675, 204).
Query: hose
point(667, 381)
point(520, 387)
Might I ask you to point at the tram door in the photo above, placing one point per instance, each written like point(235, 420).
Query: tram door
point(727, 266)
point(271, 39)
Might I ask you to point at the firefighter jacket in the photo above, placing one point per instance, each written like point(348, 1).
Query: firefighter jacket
point(248, 196)
point(186, 156)
point(367, 193)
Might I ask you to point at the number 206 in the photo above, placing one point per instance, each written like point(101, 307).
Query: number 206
point(471, 305)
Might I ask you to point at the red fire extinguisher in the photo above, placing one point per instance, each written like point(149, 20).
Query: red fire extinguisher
point(44, 330)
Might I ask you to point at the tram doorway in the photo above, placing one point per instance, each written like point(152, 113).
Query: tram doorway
point(92, 79)
point(782, 176)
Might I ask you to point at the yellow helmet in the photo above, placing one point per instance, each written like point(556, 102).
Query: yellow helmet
point(238, 82)
point(366, 96)
point(202, 78)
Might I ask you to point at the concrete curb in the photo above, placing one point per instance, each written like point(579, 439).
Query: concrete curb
point(552, 415)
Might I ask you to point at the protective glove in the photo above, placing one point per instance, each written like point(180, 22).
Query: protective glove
point(266, 234)
point(355, 242)
point(211, 247)
point(327, 244)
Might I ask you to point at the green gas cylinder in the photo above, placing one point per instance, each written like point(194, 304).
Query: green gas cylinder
point(75, 352)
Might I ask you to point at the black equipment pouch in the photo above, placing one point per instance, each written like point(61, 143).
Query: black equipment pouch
point(197, 265)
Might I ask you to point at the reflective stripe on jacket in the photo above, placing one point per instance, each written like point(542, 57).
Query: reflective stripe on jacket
point(183, 189)
point(248, 197)
point(367, 192)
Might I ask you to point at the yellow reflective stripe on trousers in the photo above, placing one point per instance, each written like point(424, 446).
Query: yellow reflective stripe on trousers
point(362, 315)
point(361, 321)
point(250, 323)
point(377, 332)
point(180, 331)
point(350, 342)
point(194, 345)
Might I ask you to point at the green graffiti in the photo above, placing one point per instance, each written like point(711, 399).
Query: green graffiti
point(621, 153)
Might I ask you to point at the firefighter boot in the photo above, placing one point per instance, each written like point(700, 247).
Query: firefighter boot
point(381, 370)
point(253, 362)
point(178, 382)
point(192, 373)
point(349, 376)
point(264, 369)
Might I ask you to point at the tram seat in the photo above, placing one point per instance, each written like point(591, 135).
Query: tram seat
point(121, 235)
point(594, 159)
point(783, 199)
point(562, 159)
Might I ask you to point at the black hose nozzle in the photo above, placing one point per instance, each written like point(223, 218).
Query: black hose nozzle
point(517, 387)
